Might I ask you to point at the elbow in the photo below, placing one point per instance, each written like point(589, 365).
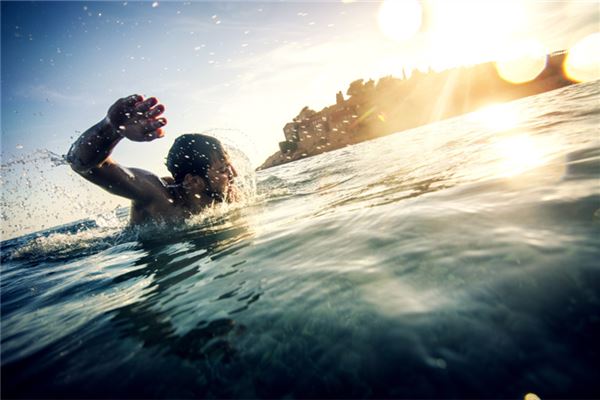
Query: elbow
point(74, 160)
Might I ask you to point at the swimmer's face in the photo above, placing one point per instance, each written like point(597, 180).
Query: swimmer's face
point(221, 175)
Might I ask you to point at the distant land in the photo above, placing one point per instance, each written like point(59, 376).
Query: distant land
point(393, 104)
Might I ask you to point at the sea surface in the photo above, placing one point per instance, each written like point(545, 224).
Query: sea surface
point(459, 259)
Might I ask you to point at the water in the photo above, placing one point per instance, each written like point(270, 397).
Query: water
point(458, 259)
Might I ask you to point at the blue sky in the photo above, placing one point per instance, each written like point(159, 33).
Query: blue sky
point(245, 68)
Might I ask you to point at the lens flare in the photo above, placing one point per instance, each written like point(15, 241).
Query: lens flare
point(400, 19)
point(583, 61)
point(463, 32)
point(523, 63)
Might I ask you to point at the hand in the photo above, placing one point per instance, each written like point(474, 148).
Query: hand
point(136, 119)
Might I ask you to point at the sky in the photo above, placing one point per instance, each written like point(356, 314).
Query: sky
point(241, 69)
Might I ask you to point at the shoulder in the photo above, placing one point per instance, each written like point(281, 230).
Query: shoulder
point(152, 187)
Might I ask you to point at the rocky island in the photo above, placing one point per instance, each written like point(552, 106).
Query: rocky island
point(394, 104)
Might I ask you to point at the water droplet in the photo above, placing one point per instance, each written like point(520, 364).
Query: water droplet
point(19, 146)
point(155, 4)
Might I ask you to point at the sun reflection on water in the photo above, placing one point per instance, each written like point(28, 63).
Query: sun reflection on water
point(518, 154)
point(515, 150)
point(496, 117)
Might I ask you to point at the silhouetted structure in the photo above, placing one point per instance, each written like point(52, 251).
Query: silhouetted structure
point(392, 105)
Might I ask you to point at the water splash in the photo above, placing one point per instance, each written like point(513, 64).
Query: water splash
point(40, 191)
point(55, 159)
point(59, 246)
point(234, 140)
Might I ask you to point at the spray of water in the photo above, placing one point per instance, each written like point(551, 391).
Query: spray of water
point(39, 191)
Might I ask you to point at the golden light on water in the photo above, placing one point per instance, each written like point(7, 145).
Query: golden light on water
point(512, 150)
point(583, 61)
point(496, 117)
point(523, 63)
point(400, 19)
point(515, 153)
point(518, 154)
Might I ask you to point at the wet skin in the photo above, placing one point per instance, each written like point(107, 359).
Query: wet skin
point(153, 199)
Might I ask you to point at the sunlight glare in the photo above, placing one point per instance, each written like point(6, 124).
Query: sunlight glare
point(523, 63)
point(496, 117)
point(400, 19)
point(518, 154)
point(583, 61)
point(466, 32)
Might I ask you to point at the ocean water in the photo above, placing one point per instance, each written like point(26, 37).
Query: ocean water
point(458, 259)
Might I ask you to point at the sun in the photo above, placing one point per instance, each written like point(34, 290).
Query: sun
point(462, 32)
point(400, 19)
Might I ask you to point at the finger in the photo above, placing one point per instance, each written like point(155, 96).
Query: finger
point(146, 104)
point(131, 100)
point(152, 125)
point(156, 111)
point(158, 133)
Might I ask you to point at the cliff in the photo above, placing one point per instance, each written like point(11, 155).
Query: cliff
point(395, 104)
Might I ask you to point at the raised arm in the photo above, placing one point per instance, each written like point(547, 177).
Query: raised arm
point(131, 117)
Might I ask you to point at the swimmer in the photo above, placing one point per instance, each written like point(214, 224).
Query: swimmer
point(200, 167)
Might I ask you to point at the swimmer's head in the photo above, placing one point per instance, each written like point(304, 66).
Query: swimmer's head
point(202, 156)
